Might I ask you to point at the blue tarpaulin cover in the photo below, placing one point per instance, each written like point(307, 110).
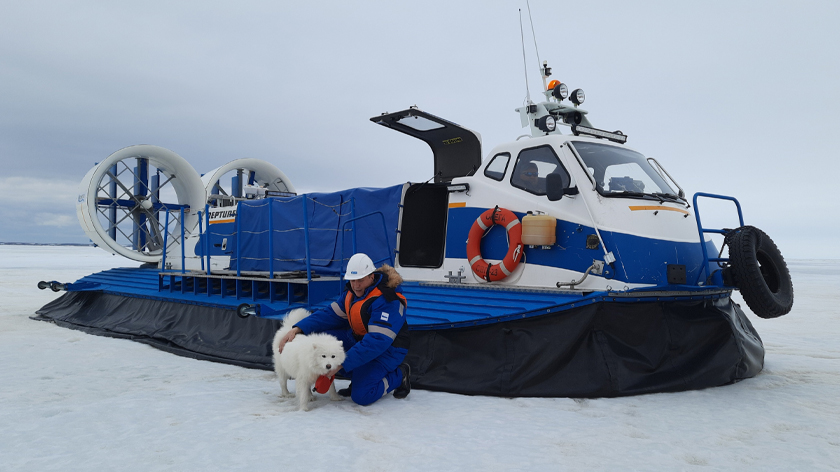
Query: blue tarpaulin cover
point(327, 216)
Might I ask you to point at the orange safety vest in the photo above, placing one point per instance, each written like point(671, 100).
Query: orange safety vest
point(354, 309)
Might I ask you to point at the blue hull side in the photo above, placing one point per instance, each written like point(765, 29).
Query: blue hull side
point(639, 260)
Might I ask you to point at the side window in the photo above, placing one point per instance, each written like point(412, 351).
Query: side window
point(532, 165)
point(497, 167)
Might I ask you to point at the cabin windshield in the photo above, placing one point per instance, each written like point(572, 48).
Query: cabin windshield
point(620, 172)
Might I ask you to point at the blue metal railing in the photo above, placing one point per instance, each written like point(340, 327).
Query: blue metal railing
point(270, 244)
point(353, 220)
point(305, 242)
point(165, 236)
point(271, 240)
point(180, 209)
point(183, 256)
point(703, 230)
point(289, 291)
point(201, 231)
point(206, 238)
point(238, 242)
point(204, 232)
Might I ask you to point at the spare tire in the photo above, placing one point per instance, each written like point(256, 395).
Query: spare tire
point(760, 273)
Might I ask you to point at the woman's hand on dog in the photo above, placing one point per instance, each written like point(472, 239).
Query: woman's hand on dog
point(288, 337)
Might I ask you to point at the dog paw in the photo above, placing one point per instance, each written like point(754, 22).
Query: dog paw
point(287, 394)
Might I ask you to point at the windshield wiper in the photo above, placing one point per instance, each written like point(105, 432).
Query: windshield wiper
point(627, 193)
point(669, 196)
point(662, 197)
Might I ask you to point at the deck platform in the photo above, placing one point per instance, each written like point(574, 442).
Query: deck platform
point(430, 305)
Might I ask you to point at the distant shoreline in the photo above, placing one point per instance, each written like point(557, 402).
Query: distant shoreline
point(46, 244)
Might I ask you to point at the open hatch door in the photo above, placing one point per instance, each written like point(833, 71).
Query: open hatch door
point(457, 150)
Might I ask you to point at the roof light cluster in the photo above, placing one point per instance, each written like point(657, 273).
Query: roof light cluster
point(547, 123)
point(560, 91)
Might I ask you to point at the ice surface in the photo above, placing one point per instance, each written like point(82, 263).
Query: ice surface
point(72, 401)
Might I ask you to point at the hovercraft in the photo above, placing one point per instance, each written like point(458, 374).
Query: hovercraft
point(565, 264)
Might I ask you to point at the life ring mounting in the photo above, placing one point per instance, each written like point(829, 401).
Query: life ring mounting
point(483, 269)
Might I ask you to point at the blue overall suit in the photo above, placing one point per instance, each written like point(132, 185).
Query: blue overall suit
point(374, 355)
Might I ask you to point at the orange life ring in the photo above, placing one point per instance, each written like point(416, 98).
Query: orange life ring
point(481, 268)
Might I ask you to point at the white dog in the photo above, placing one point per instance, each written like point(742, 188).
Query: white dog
point(305, 358)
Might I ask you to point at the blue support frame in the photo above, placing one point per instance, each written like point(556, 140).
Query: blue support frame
point(270, 244)
point(141, 187)
point(238, 240)
point(207, 236)
point(201, 232)
point(353, 229)
point(703, 230)
point(183, 256)
point(236, 185)
point(154, 194)
point(112, 207)
point(306, 240)
point(165, 235)
point(292, 293)
point(390, 257)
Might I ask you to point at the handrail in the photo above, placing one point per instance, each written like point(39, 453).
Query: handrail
point(238, 232)
point(583, 166)
point(206, 236)
point(353, 229)
point(200, 233)
point(702, 230)
point(165, 249)
point(270, 242)
point(681, 193)
point(204, 231)
point(306, 240)
point(609, 257)
point(165, 234)
point(239, 239)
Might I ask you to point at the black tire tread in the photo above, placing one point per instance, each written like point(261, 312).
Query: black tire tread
point(745, 245)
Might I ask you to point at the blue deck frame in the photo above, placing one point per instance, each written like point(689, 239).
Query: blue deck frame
point(430, 305)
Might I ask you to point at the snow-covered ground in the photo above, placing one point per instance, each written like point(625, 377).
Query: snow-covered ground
point(72, 401)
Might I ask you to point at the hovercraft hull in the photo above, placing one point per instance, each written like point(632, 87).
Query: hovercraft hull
point(464, 340)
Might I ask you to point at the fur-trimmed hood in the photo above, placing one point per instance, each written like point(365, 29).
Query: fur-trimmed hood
point(391, 275)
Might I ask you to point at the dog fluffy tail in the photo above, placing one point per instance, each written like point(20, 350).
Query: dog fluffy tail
point(291, 318)
point(294, 317)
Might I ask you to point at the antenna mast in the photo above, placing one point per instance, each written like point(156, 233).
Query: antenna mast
point(545, 71)
point(524, 64)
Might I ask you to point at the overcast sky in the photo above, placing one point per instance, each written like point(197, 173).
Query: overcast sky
point(732, 97)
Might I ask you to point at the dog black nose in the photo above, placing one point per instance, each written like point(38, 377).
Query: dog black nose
point(329, 366)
